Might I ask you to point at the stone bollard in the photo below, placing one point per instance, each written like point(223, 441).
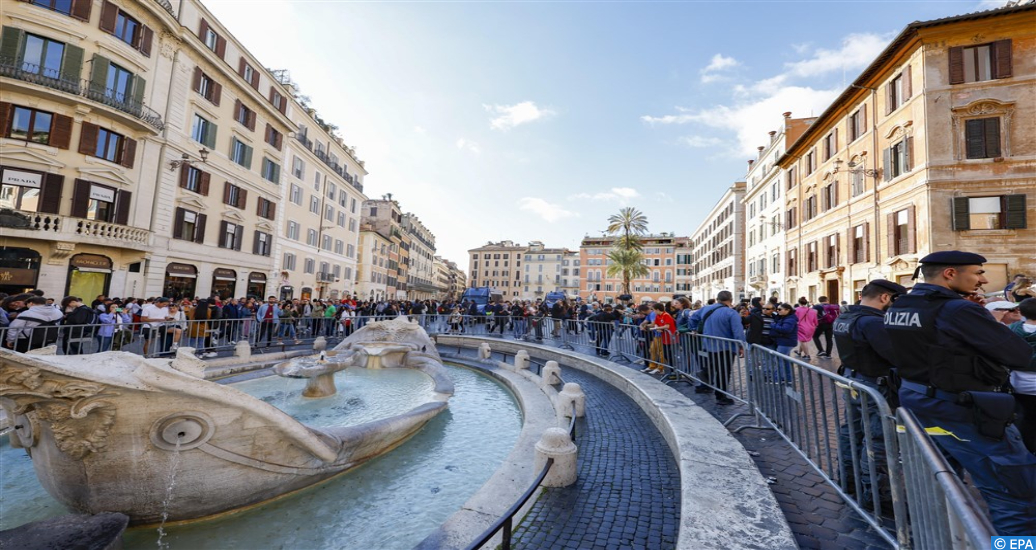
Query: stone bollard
point(320, 344)
point(485, 353)
point(555, 443)
point(243, 350)
point(521, 360)
point(568, 395)
point(551, 374)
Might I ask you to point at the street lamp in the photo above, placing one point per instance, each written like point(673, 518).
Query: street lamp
point(855, 168)
point(186, 159)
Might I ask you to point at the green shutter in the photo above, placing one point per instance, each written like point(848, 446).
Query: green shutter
point(276, 172)
point(248, 157)
point(11, 45)
point(209, 139)
point(99, 74)
point(137, 93)
point(72, 64)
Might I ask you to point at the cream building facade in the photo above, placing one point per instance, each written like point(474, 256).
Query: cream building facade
point(498, 266)
point(422, 277)
point(374, 267)
point(570, 274)
point(928, 150)
point(718, 247)
point(541, 271)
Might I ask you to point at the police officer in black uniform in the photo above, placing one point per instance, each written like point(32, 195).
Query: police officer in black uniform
point(867, 359)
point(954, 360)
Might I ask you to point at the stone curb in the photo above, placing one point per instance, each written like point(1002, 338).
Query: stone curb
point(725, 502)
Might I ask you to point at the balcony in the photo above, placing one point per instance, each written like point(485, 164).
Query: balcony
point(323, 277)
point(167, 6)
point(306, 142)
point(34, 74)
point(53, 227)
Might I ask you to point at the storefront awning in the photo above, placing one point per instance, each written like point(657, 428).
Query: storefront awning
point(181, 270)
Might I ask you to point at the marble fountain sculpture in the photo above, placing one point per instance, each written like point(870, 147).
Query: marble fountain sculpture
point(106, 431)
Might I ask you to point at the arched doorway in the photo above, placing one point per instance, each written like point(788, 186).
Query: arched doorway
point(257, 285)
point(89, 275)
point(224, 281)
point(181, 280)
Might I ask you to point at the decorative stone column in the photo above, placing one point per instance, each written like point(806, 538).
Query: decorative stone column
point(521, 360)
point(555, 443)
point(551, 374)
point(568, 395)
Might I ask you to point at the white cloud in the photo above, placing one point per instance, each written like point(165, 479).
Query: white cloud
point(548, 211)
point(991, 4)
point(468, 145)
point(698, 142)
point(621, 195)
point(718, 64)
point(419, 130)
point(856, 52)
point(509, 116)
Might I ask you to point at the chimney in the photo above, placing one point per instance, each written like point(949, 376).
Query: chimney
point(787, 114)
point(772, 133)
point(750, 163)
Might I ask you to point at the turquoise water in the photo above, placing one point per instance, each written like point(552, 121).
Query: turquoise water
point(391, 502)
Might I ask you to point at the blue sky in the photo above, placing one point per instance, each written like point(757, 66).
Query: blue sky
point(536, 121)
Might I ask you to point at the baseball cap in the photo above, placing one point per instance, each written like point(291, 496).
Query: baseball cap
point(1002, 305)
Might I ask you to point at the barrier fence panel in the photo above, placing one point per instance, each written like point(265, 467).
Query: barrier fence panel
point(944, 513)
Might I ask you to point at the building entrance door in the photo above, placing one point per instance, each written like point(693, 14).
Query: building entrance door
point(832, 291)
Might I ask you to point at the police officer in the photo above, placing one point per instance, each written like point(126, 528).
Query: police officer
point(867, 358)
point(954, 358)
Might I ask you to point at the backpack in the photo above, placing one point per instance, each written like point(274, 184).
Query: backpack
point(40, 338)
point(831, 312)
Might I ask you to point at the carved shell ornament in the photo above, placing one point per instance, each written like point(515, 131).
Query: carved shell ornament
point(79, 418)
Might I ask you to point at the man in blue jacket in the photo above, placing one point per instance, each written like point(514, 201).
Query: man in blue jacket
point(268, 315)
point(717, 321)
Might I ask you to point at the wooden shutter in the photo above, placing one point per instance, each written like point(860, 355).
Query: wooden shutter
point(178, 223)
point(221, 46)
point(122, 206)
point(834, 194)
point(991, 130)
point(129, 152)
point(1002, 59)
point(5, 119)
point(226, 192)
point(271, 211)
point(283, 104)
point(146, 37)
point(137, 93)
point(50, 193)
point(908, 86)
point(11, 43)
point(183, 175)
point(888, 99)
point(203, 182)
point(835, 145)
point(109, 15)
point(908, 154)
point(1014, 207)
point(911, 230)
point(250, 120)
point(255, 243)
point(974, 138)
point(887, 164)
point(237, 110)
point(255, 79)
point(851, 245)
point(957, 65)
point(838, 250)
point(88, 138)
point(239, 235)
point(80, 198)
point(241, 67)
point(81, 9)
point(278, 140)
point(961, 214)
point(203, 29)
point(863, 120)
point(99, 74)
point(867, 241)
point(259, 206)
point(891, 217)
point(199, 229)
point(196, 80)
point(242, 198)
point(217, 92)
point(72, 63)
point(222, 233)
point(60, 131)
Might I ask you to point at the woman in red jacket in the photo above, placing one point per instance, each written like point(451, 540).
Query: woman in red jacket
point(664, 327)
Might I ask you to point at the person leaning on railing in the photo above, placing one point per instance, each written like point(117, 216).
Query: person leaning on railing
point(954, 360)
point(720, 321)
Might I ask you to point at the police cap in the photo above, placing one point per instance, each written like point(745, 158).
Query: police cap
point(889, 285)
point(950, 257)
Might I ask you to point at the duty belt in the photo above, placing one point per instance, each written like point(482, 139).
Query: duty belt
point(930, 391)
point(861, 376)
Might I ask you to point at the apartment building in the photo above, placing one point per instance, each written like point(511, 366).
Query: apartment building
point(542, 271)
point(499, 266)
point(718, 247)
point(570, 273)
point(421, 276)
point(659, 257)
point(929, 149)
point(764, 213)
point(384, 217)
point(374, 265)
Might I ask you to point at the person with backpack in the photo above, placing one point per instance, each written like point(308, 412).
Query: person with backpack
point(34, 328)
point(79, 324)
point(826, 315)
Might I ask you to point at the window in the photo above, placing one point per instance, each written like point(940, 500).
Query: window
point(247, 72)
point(343, 199)
point(897, 158)
point(42, 56)
point(293, 230)
point(832, 250)
point(206, 86)
point(127, 29)
point(856, 179)
point(263, 244)
point(332, 191)
point(858, 123)
point(311, 237)
point(241, 153)
point(352, 208)
point(980, 62)
point(230, 235)
point(289, 262)
point(118, 83)
point(30, 125)
point(897, 91)
point(793, 262)
point(273, 137)
point(109, 145)
point(22, 190)
point(811, 256)
point(860, 246)
point(278, 100)
point(243, 115)
point(792, 177)
point(830, 145)
point(352, 224)
point(234, 195)
point(314, 205)
point(329, 213)
point(266, 208)
point(295, 194)
point(326, 243)
point(203, 131)
point(298, 168)
point(901, 232)
point(982, 138)
point(339, 247)
point(311, 266)
point(811, 207)
point(830, 196)
point(271, 171)
point(341, 219)
point(189, 226)
point(61, 6)
point(811, 161)
point(980, 213)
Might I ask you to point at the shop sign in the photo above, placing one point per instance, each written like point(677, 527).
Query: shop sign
point(90, 261)
point(15, 276)
point(24, 179)
point(102, 193)
point(256, 277)
point(181, 270)
point(223, 274)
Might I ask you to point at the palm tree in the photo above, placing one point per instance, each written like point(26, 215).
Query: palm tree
point(626, 257)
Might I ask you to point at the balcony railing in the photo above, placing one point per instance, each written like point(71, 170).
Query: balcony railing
point(306, 142)
point(50, 78)
point(168, 7)
point(56, 227)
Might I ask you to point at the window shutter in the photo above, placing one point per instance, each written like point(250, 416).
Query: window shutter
point(888, 99)
point(272, 210)
point(60, 131)
point(11, 43)
point(974, 138)
point(178, 224)
point(239, 235)
point(1002, 59)
point(887, 164)
point(961, 214)
point(1014, 205)
point(210, 136)
point(122, 206)
point(129, 152)
point(146, 37)
point(88, 138)
point(957, 65)
point(196, 80)
point(283, 107)
point(226, 192)
point(138, 91)
point(50, 193)
point(81, 9)
point(835, 149)
point(255, 79)
point(99, 74)
point(276, 173)
point(221, 46)
point(241, 67)
point(72, 65)
point(259, 206)
point(834, 194)
point(248, 157)
point(250, 120)
point(183, 175)
point(891, 217)
point(255, 243)
point(109, 14)
point(867, 241)
point(217, 92)
point(5, 120)
point(838, 250)
point(199, 229)
point(911, 230)
point(242, 198)
point(80, 198)
point(222, 233)
point(278, 141)
point(237, 110)
point(851, 242)
point(907, 84)
point(203, 182)
point(863, 120)
point(203, 29)
point(992, 137)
